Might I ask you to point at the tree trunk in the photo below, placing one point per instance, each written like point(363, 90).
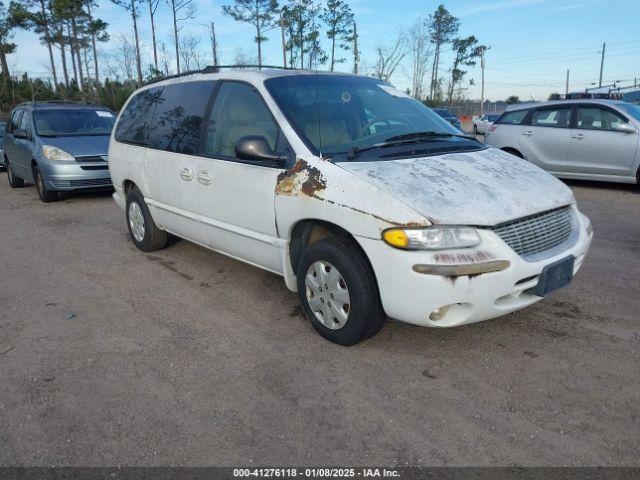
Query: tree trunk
point(3, 63)
point(175, 36)
point(259, 45)
point(47, 39)
point(95, 53)
point(73, 54)
point(63, 56)
point(134, 15)
point(153, 35)
point(77, 50)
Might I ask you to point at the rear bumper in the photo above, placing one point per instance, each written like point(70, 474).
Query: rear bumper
point(63, 176)
point(412, 297)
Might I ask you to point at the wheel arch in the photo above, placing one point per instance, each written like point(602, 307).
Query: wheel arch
point(308, 231)
point(513, 151)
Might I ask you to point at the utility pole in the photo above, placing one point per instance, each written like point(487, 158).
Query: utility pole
point(214, 45)
point(284, 43)
point(604, 47)
point(356, 52)
point(566, 90)
point(482, 65)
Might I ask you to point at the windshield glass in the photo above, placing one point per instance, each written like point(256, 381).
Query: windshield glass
point(73, 122)
point(492, 118)
point(335, 114)
point(443, 112)
point(631, 109)
point(1, 135)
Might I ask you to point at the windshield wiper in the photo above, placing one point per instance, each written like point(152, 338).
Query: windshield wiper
point(426, 134)
point(405, 139)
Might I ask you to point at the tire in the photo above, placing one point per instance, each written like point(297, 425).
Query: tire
point(513, 152)
point(142, 229)
point(475, 130)
point(353, 275)
point(14, 182)
point(46, 195)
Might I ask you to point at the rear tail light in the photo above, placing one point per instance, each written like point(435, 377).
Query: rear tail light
point(493, 128)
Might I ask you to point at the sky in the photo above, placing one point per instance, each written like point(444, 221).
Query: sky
point(533, 42)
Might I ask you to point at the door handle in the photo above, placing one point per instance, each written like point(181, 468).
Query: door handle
point(204, 177)
point(186, 174)
point(578, 136)
point(528, 133)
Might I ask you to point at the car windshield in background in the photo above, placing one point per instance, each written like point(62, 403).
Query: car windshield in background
point(632, 109)
point(492, 118)
point(337, 114)
point(73, 122)
point(1, 135)
point(443, 112)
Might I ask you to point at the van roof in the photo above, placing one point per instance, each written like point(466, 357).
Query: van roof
point(549, 103)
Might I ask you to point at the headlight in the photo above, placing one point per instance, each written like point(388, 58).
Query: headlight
point(55, 153)
point(431, 238)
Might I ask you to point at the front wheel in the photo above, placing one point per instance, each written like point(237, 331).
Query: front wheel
point(14, 181)
point(46, 195)
point(338, 292)
point(143, 230)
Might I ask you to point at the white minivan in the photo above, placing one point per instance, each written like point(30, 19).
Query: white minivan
point(364, 200)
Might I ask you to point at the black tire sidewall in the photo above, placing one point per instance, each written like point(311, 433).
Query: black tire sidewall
point(14, 182)
point(44, 194)
point(363, 291)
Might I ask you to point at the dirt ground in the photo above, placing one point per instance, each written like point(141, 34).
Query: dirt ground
point(109, 356)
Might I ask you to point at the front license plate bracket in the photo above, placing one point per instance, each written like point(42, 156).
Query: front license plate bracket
point(554, 277)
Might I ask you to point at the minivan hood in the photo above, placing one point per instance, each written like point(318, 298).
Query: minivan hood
point(80, 146)
point(482, 188)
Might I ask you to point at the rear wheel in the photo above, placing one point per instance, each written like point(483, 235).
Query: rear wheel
point(143, 230)
point(14, 181)
point(338, 292)
point(475, 130)
point(46, 195)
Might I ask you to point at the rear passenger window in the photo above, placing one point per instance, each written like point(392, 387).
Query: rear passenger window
point(179, 115)
point(556, 117)
point(133, 126)
point(513, 118)
point(239, 112)
point(593, 118)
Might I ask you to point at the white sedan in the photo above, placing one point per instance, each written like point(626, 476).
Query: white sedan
point(482, 124)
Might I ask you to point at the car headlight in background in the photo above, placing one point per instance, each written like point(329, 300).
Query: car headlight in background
point(55, 153)
point(431, 238)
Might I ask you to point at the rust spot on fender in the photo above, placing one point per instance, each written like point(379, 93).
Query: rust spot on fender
point(301, 179)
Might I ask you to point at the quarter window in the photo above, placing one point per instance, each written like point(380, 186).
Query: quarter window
point(133, 125)
point(556, 117)
point(179, 115)
point(25, 124)
point(239, 111)
point(513, 118)
point(593, 118)
point(15, 120)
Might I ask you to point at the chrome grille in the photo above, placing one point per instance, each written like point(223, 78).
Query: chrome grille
point(538, 233)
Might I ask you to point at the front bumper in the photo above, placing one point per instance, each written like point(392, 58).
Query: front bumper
point(64, 176)
point(412, 297)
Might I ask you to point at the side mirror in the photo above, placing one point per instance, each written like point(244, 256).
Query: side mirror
point(255, 148)
point(626, 128)
point(20, 133)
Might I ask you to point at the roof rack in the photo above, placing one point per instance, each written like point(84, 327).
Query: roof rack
point(215, 69)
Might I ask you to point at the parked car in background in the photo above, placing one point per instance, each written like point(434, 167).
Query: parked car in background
point(2, 127)
point(58, 146)
point(581, 139)
point(482, 124)
point(363, 199)
point(449, 117)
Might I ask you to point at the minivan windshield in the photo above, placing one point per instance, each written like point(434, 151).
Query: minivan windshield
point(73, 122)
point(337, 114)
